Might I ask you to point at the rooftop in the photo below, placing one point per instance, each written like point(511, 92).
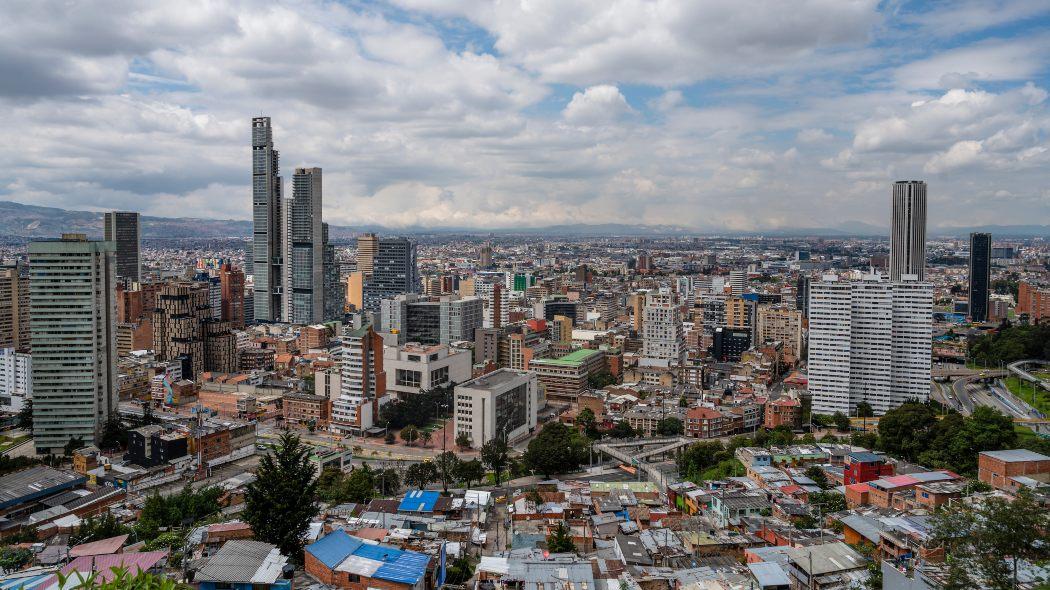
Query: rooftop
point(35, 482)
point(573, 359)
point(494, 380)
point(1016, 455)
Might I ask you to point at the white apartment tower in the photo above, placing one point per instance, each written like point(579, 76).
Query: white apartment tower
point(72, 327)
point(869, 340)
point(908, 230)
point(662, 334)
point(738, 281)
point(16, 379)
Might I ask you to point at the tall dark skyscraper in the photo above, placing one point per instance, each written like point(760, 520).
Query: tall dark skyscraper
point(908, 230)
point(123, 229)
point(980, 275)
point(267, 237)
point(802, 294)
point(304, 294)
point(394, 271)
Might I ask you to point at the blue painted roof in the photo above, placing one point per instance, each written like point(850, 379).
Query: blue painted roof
point(334, 547)
point(23, 583)
point(407, 568)
point(419, 501)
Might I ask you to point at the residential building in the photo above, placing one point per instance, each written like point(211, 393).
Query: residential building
point(363, 381)
point(503, 403)
point(783, 411)
point(16, 380)
point(779, 323)
point(243, 564)
point(339, 560)
point(1012, 469)
point(72, 319)
point(980, 275)
point(485, 256)
point(152, 445)
point(1033, 300)
point(306, 409)
point(183, 327)
point(703, 422)
point(566, 377)
point(662, 334)
point(123, 229)
point(738, 282)
point(267, 215)
point(497, 303)
point(908, 230)
point(561, 329)
point(394, 272)
point(869, 340)
point(417, 367)
point(862, 467)
point(231, 281)
point(14, 307)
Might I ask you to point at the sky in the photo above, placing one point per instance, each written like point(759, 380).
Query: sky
point(704, 114)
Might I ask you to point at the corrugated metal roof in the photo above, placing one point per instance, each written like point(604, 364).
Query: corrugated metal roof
point(419, 501)
point(769, 574)
point(333, 547)
point(103, 547)
point(1016, 455)
point(243, 561)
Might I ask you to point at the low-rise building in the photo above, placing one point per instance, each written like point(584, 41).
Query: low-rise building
point(566, 377)
point(704, 423)
point(502, 403)
point(416, 367)
point(348, 562)
point(1011, 469)
point(307, 409)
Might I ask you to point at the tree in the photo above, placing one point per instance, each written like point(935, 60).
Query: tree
point(828, 501)
point(114, 434)
point(622, 430)
point(601, 380)
point(183, 509)
point(280, 502)
point(13, 559)
point(586, 421)
point(992, 537)
point(25, 416)
point(74, 443)
point(781, 436)
point(841, 421)
point(560, 540)
point(556, 449)
point(904, 431)
point(426, 435)
point(495, 455)
point(96, 528)
point(701, 456)
point(470, 471)
point(410, 434)
point(815, 473)
point(463, 440)
point(864, 410)
point(389, 438)
point(670, 426)
point(388, 481)
point(419, 475)
point(447, 467)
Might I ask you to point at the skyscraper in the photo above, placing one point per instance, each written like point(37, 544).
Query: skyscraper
point(366, 253)
point(184, 328)
point(869, 340)
point(908, 231)
point(123, 229)
point(232, 282)
point(72, 319)
point(394, 272)
point(268, 241)
point(14, 308)
point(485, 256)
point(980, 275)
point(802, 294)
point(334, 292)
point(304, 266)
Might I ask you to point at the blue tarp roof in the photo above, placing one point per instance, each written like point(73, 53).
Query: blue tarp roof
point(406, 568)
point(26, 582)
point(334, 547)
point(419, 501)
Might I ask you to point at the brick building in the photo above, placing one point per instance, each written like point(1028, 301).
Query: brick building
point(1009, 470)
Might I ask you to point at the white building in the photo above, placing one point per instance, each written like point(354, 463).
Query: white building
point(414, 367)
point(328, 382)
point(16, 379)
point(504, 403)
point(738, 281)
point(662, 334)
point(497, 303)
point(869, 340)
point(362, 382)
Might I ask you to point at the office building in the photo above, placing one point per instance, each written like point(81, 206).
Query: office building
point(566, 377)
point(267, 221)
point(362, 380)
point(334, 292)
point(869, 340)
point(367, 246)
point(663, 336)
point(561, 329)
point(497, 303)
point(231, 282)
point(355, 291)
point(415, 367)
point(980, 275)
point(558, 305)
point(908, 230)
point(504, 403)
point(72, 319)
point(394, 272)
point(738, 282)
point(184, 328)
point(485, 256)
point(16, 380)
point(435, 320)
point(802, 294)
point(124, 230)
point(728, 344)
point(14, 307)
point(304, 243)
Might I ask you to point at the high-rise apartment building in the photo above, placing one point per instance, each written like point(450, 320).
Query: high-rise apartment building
point(869, 340)
point(72, 319)
point(778, 323)
point(16, 380)
point(14, 307)
point(267, 215)
point(485, 256)
point(184, 329)
point(231, 281)
point(124, 230)
point(980, 275)
point(334, 292)
point(908, 230)
point(394, 272)
point(738, 282)
point(367, 246)
point(636, 301)
point(662, 334)
point(304, 260)
point(1033, 300)
point(497, 303)
point(362, 381)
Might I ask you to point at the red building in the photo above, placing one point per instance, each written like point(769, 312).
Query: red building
point(704, 423)
point(864, 467)
point(783, 412)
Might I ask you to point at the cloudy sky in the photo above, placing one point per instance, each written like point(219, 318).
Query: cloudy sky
point(709, 114)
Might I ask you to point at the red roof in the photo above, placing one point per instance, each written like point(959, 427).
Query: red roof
point(370, 533)
point(703, 413)
point(101, 547)
point(104, 564)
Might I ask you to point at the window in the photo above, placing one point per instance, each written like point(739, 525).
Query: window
point(408, 378)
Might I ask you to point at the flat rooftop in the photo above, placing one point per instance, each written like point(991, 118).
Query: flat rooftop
point(494, 380)
point(35, 482)
point(573, 359)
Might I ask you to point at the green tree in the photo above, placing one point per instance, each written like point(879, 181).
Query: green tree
point(670, 426)
point(817, 474)
point(419, 475)
point(556, 449)
point(700, 457)
point(495, 454)
point(74, 443)
point(470, 471)
point(13, 558)
point(560, 540)
point(587, 422)
point(622, 430)
point(447, 466)
point(388, 481)
point(463, 440)
point(426, 435)
point(904, 431)
point(96, 528)
point(864, 410)
point(410, 434)
point(828, 501)
point(25, 416)
point(114, 434)
point(389, 438)
point(986, 429)
point(601, 380)
point(841, 421)
point(360, 485)
point(281, 501)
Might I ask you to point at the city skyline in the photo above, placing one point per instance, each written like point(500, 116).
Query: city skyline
point(454, 117)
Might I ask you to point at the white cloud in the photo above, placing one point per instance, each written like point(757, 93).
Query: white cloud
point(963, 153)
point(596, 105)
point(813, 136)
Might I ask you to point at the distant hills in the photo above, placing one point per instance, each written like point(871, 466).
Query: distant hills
point(30, 221)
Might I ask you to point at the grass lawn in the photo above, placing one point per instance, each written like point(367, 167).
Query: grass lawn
point(6, 442)
point(1026, 391)
point(433, 426)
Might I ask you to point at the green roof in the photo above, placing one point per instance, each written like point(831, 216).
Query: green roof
point(574, 358)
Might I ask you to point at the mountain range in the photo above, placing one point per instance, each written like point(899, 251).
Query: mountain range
point(18, 220)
